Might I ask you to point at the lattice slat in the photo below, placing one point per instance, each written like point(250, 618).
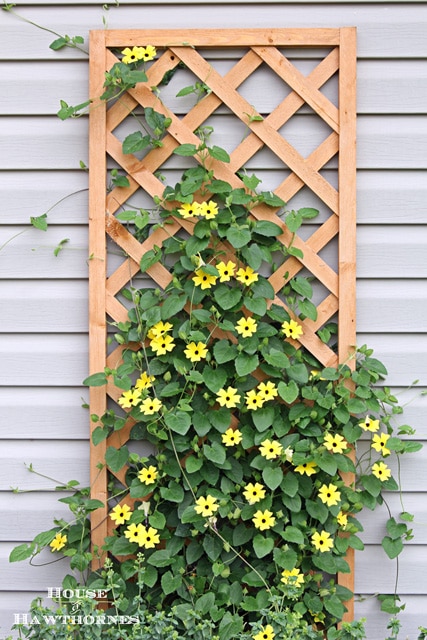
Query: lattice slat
point(255, 50)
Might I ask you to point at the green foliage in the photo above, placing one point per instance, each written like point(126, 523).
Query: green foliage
point(239, 517)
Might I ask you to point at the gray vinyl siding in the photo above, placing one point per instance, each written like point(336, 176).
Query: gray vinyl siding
point(43, 309)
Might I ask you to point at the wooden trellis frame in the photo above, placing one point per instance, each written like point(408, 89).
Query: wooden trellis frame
point(263, 46)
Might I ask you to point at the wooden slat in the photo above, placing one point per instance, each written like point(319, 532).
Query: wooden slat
point(223, 37)
point(347, 237)
point(97, 277)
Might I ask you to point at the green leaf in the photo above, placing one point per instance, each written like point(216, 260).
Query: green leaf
point(258, 306)
point(372, 485)
point(150, 258)
point(193, 464)
point(267, 229)
point(99, 434)
point(178, 422)
point(205, 603)
point(272, 477)
point(356, 543)
point(325, 562)
point(21, 552)
point(277, 359)
point(116, 458)
point(290, 484)
point(298, 372)
point(135, 142)
point(392, 547)
point(214, 378)
point(157, 520)
point(293, 534)
point(308, 309)
point(173, 492)
point(219, 186)
point(215, 453)
point(150, 576)
point(161, 558)
point(308, 213)
point(262, 546)
point(317, 510)
point(170, 583)
point(95, 380)
point(288, 392)
point(186, 150)
point(395, 530)
point(263, 418)
point(218, 153)
point(334, 606)
point(238, 237)
point(227, 298)
point(213, 547)
point(245, 364)
point(224, 351)
point(354, 405)
point(39, 222)
point(59, 43)
point(285, 559)
point(293, 221)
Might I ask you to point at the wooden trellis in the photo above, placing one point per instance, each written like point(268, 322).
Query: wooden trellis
point(253, 48)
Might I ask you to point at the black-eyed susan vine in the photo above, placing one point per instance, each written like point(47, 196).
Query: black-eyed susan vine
point(240, 513)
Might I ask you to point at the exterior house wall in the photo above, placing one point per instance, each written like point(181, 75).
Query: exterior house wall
point(43, 310)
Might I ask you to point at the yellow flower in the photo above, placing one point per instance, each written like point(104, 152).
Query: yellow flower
point(204, 280)
point(253, 400)
point(306, 467)
point(226, 271)
point(231, 437)
point(150, 406)
point(208, 210)
point(267, 390)
point(58, 542)
point(342, 519)
point(144, 381)
point(292, 329)
point(159, 329)
point(381, 471)
point(335, 443)
point(120, 514)
point(368, 424)
point(228, 398)
point(266, 633)
point(134, 533)
point(148, 538)
point(254, 492)
point(270, 449)
point(206, 507)
point(189, 210)
point(148, 475)
point(246, 327)
point(132, 55)
point(264, 520)
point(195, 352)
point(162, 344)
point(329, 495)
point(379, 443)
point(292, 576)
point(246, 276)
point(130, 399)
point(148, 53)
point(322, 541)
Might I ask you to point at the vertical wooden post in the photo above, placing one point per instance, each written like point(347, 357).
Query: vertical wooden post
point(347, 228)
point(97, 275)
